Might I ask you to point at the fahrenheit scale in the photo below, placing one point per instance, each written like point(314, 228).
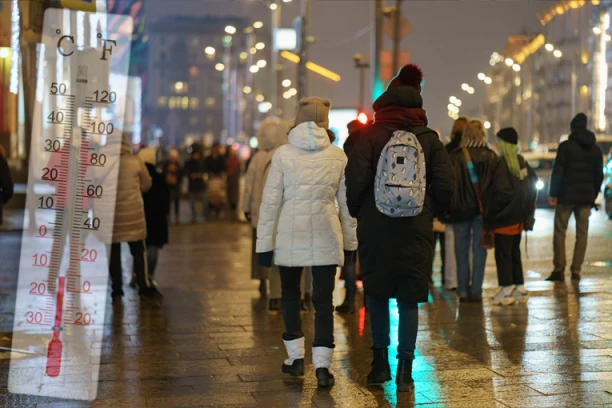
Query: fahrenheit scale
point(74, 163)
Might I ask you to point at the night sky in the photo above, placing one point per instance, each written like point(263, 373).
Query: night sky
point(451, 40)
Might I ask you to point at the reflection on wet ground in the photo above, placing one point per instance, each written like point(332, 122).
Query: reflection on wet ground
point(211, 341)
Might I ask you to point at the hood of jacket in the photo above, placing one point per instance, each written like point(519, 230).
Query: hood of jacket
point(585, 138)
point(267, 133)
point(126, 148)
point(308, 136)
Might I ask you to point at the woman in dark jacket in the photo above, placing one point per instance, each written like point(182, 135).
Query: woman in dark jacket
point(6, 182)
point(396, 254)
point(465, 209)
point(157, 209)
point(510, 206)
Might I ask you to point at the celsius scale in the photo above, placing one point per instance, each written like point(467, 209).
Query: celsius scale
point(72, 184)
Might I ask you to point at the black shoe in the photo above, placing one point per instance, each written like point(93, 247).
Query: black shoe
point(296, 369)
point(274, 305)
point(324, 377)
point(576, 276)
point(381, 372)
point(348, 306)
point(403, 379)
point(150, 293)
point(463, 298)
point(304, 306)
point(556, 276)
point(263, 287)
point(476, 298)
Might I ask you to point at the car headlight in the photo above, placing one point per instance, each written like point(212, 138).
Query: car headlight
point(539, 184)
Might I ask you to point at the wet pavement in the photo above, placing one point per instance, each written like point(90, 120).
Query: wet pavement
point(212, 342)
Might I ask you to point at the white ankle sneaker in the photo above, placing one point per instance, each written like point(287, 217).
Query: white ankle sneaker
point(520, 294)
point(322, 357)
point(295, 350)
point(504, 296)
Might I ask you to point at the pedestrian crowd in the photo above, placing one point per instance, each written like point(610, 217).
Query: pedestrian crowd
point(377, 209)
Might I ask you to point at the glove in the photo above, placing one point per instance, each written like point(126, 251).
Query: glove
point(247, 215)
point(265, 259)
point(350, 257)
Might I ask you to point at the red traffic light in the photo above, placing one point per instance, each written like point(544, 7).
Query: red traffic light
point(362, 118)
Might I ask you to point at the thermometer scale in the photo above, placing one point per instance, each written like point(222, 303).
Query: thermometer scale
point(75, 149)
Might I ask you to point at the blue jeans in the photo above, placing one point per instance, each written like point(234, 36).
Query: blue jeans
point(407, 330)
point(192, 201)
point(468, 233)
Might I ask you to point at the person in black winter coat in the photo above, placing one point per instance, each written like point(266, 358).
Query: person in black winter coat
point(574, 185)
point(396, 254)
point(465, 214)
point(6, 182)
point(509, 210)
point(194, 170)
point(157, 210)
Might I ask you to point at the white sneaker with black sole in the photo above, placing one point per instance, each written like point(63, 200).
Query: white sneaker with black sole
point(504, 296)
point(520, 294)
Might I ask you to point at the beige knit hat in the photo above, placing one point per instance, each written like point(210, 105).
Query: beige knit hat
point(313, 110)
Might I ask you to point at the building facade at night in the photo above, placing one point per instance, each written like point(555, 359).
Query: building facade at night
point(540, 81)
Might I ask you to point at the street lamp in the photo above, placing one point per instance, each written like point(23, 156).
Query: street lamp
point(230, 29)
point(260, 46)
point(257, 24)
point(516, 67)
point(254, 69)
point(261, 63)
point(219, 66)
point(286, 83)
point(481, 76)
point(509, 62)
point(557, 53)
point(209, 50)
point(488, 81)
point(549, 47)
point(273, 6)
point(487, 124)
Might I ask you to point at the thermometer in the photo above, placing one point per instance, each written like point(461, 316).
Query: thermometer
point(74, 163)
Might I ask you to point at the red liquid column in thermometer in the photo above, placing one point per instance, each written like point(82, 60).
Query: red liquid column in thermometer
point(54, 352)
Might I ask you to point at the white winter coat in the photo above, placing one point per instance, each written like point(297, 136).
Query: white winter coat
point(271, 134)
point(133, 180)
point(305, 180)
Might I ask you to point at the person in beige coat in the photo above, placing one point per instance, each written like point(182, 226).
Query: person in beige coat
point(129, 225)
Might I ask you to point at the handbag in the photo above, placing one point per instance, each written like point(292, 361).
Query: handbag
point(487, 238)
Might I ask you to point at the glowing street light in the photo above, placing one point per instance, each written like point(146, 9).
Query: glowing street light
point(509, 62)
point(465, 86)
point(481, 76)
point(253, 50)
point(471, 91)
point(452, 99)
point(243, 55)
point(261, 63)
point(230, 29)
point(487, 124)
point(178, 86)
point(257, 24)
point(260, 46)
point(254, 69)
point(219, 66)
point(286, 83)
point(516, 67)
point(488, 81)
point(247, 89)
point(597, 30)
point(549, 47)
point(4, 53)
point(286, 95)
point(259, 98)
point(209, 50)
point(273, 6)
point(458, 102)
point(292, 91)
point(557, 53)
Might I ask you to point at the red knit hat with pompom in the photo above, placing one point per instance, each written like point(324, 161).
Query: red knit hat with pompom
point(408, 75)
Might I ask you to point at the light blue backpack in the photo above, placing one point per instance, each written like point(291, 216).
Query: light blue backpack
point(400, 185)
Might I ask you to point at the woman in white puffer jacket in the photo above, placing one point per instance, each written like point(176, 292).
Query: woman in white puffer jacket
point(305, 180)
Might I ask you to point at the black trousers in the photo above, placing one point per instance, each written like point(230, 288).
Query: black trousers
point(439, 236)
point(139, 253)
point(323, 283)
point(508, 260)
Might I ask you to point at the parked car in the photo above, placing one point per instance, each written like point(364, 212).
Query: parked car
point(542, 164)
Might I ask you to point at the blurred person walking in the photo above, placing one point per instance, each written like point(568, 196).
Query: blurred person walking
point(509, 210)
point(350, 271)
point(305, 180)
point(6, 181)
point(396, 253)
point(130, 225)
point(195, 171)
point(473, 163)
point(233, 181)
point(271, 134)
point(157, 209)
point(172, 171)
point(216, 168)
point(450, 261)
point(574, 185)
